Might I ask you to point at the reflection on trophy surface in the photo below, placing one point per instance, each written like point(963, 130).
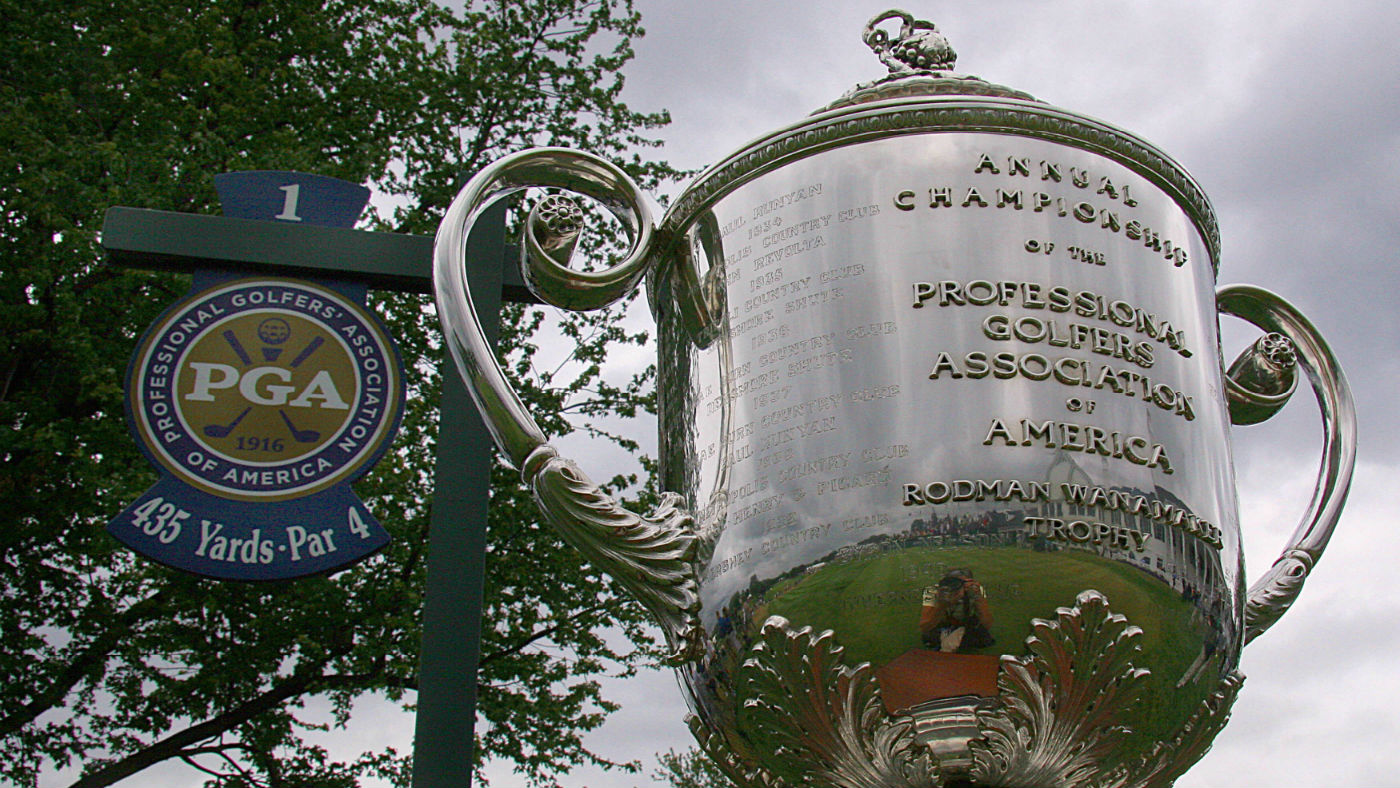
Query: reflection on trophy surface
point(945, 427)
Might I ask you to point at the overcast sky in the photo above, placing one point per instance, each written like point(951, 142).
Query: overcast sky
point(1288, 114)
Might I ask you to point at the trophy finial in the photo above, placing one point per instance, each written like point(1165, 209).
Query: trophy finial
point(921, 63)
point(918, 47)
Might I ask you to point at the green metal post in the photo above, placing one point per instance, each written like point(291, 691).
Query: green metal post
point(451, 648)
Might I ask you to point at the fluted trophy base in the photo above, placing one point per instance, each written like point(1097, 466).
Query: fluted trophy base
point(1055, 717)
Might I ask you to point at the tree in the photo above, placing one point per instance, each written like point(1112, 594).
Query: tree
point(112, 663)
point(689, 769)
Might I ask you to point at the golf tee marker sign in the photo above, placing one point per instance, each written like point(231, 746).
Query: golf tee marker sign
point(260, 399)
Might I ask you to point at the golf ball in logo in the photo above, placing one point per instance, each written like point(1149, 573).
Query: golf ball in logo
point(274, 331)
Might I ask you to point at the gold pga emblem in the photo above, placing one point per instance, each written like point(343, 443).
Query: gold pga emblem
point(242, 393)
point(266, 390)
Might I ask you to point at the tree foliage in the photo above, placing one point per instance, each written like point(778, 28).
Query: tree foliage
point(109, 663)
point(689, 769)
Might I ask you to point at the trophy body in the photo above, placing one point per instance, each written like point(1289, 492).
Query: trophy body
point(945, 421)
point(941, 351)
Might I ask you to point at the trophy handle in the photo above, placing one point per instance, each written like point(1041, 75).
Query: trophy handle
point(1257, 385)
point(652, 556)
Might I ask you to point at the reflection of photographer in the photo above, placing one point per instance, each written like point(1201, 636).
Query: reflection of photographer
point(955, 615)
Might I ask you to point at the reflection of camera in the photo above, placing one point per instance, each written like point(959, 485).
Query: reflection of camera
point(951, 584)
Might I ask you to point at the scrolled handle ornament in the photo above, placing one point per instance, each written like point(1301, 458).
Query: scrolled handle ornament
point(1256, 386)
point(652, 556)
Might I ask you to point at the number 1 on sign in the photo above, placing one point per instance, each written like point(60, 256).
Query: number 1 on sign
point(289, 203)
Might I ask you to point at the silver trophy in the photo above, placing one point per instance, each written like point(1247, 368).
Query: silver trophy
point(946, 431)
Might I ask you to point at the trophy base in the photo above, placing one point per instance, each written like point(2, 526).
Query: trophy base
point(1054, 717)
point(946, 727)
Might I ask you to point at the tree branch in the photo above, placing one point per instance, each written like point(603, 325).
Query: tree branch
point(195, 765)
point(306, 680)
point(540, 634)
point(89, 660)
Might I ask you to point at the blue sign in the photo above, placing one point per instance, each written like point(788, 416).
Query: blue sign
point(260, 400)
point(280, 195)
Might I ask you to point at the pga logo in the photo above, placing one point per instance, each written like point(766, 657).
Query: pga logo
point(258, 390)
point(264, 390)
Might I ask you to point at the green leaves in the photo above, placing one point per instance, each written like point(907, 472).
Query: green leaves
point(112, 663)
point(689, 769)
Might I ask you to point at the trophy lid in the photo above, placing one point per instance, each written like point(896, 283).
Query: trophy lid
point(923, 95)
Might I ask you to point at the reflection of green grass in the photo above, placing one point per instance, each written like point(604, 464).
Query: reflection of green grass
point(873, 604)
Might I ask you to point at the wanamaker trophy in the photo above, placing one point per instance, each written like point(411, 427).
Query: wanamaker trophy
point(945, 430)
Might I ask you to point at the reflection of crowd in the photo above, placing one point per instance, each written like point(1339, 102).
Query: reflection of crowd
point(733, 634)
point(968, 523)
point(991, 534)
point(1208, 611)
point(734, 625)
